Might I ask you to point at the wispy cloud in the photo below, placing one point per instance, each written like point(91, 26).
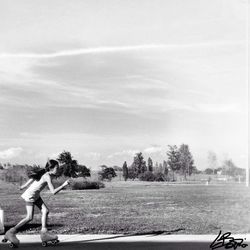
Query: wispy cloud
point(129, 152)
point(111, 49)
point(10, 153)
point(153, 149)
point(92, 155)
point(54, 155)
point(219, 107)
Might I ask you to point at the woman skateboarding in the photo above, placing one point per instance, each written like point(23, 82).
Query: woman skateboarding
point(38, 180)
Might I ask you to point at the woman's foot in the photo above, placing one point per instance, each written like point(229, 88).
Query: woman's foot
point(11, 236)
point(46, 236)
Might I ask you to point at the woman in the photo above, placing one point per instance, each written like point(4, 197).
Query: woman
point(38, 180)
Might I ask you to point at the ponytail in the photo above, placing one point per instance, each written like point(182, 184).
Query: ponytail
point(36, 172)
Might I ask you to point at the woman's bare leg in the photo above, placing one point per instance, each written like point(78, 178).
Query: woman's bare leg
point(45, 212)
point(27, 219)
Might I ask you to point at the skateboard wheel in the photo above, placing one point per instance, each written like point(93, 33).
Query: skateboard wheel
point(44, 244)
point(4, 240)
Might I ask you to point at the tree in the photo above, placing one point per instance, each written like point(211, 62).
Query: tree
point(218, 170)
point(173, 158)
point(125, 171)
point(150, 165)
point(186, 160)
point(70, 167)
point(208, 171)
point(160, 168)
point(83, 171)
point(147, 176)
point(212, 160)
point(139, 164)
point(107, 173)
point(132, 172)
point(230, 169)
point(159, 176)
point(165, 168)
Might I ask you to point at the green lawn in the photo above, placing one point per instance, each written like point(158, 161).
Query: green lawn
point(138, 207)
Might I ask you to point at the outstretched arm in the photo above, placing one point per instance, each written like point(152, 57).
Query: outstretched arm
point(51, 187)
point(26, 184)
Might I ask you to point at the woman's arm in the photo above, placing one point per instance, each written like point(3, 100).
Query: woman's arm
point(26, 184)
point(51, 187)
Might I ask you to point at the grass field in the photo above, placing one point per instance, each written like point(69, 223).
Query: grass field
point(138, 207)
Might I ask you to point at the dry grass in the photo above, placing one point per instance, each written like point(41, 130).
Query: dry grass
point(137, 207)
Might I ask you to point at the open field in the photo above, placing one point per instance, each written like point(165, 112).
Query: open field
point(138, 207)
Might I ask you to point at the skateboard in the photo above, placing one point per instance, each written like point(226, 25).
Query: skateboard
point(49, 239)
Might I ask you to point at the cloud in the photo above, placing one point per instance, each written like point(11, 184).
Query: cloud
point(129, 152)
point(10, 153)
point(83, 51)
point(219, 108)
point(111, 49)
point(153, 149)
point(128, 83)
point(93, 155)
point(54, 155)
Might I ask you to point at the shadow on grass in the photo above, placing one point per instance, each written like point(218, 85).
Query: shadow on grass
point(149, 233)
point(159, 232)
point(33, 226)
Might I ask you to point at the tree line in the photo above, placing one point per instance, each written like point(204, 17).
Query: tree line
point(227, 168)
point(179, 160)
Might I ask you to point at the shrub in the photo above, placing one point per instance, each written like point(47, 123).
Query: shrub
point(147, 176)
point(159, 177)
point(131, 173)
point(16, 173)
point(77, 185)
point(107, 173)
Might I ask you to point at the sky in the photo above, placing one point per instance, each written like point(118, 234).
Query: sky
point(107, 79)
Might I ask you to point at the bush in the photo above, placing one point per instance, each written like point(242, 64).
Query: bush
point(147, 176)
point(77, 185)
point(16, 174)
point(131, 173)
point(107, 173)
point(159, 177)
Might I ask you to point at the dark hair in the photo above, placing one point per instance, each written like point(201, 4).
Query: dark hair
point(51, 164)
point(36, 172)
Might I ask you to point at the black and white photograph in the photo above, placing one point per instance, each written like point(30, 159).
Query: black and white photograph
point(124, 124)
